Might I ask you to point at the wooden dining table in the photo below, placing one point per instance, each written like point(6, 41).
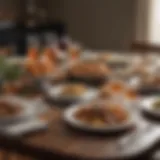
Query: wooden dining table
point(60, 142)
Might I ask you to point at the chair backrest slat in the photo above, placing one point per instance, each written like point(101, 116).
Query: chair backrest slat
point(145, 47)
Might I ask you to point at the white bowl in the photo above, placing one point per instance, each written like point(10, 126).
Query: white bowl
point(147, 106)
point(70, 119)
point(55, 93)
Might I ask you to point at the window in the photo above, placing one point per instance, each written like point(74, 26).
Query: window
point(148, 21)
point(154, 21)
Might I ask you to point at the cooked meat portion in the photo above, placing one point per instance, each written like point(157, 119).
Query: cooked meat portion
point(99, 115)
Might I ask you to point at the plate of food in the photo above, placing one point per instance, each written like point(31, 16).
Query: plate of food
point(24, 86)
point(118, 89)
point(111, 88)
point(148, 84)
point(14, 109)
point(70, 92)
point(99, 117)
point(151, 106)
point(89, 71)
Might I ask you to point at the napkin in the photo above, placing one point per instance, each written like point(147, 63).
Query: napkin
point(24, 127)
point(30, 124)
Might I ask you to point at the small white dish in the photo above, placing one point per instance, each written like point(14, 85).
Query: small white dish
point(24, 127)
point(70, 119)
point(55, 92)
point(147, 106)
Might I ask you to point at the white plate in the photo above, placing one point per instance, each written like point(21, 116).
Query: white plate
point(55, 92)
point(147, 106)
point(72, 121)
point(26, 112)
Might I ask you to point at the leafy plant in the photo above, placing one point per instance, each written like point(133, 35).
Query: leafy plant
point(8, 71)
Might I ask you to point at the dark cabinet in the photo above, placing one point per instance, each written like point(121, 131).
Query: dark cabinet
point(17, 28)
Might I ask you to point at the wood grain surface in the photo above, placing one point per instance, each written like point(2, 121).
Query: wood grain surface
point(61, 140)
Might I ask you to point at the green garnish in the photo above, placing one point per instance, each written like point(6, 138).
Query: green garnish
point(10, 72)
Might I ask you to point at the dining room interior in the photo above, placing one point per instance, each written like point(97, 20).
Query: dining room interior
point(80, 80)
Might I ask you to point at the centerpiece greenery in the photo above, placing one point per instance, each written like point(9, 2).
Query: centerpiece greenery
point(9, 71)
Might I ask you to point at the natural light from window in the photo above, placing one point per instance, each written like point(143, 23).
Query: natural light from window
point(154, 22)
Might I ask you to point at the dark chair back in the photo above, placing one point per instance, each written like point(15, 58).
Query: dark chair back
point(144, 47)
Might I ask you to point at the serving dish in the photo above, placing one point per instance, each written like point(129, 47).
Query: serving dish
point(102, 117)
point(69, 92)
point(146, 84)
point(151, 106)
point(118, 89)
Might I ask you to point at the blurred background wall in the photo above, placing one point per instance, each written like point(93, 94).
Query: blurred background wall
point(98, 24)
point(21, 21)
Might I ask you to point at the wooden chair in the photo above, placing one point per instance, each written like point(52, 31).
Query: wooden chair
point(144, 47)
